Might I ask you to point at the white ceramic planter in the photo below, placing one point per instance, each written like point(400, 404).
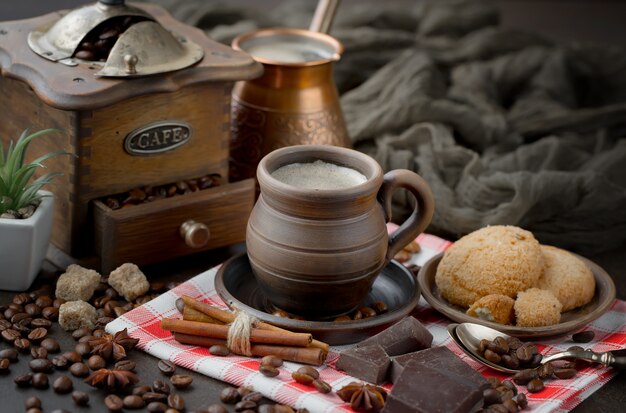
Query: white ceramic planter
point(23, 246)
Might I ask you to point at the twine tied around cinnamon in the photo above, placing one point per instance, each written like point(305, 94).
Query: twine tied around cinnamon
point(238, 340)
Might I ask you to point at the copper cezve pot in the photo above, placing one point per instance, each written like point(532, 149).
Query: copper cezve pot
point(294, 102)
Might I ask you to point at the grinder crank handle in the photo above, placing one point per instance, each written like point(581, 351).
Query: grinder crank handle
point(422, 212)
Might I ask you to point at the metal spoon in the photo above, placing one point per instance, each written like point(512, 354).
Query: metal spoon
point(468, 336)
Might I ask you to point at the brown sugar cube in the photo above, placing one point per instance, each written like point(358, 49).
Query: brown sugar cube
point(368, 363)
point(404, 337)
point(129, 281)
point(77, 283)
point(77, 314)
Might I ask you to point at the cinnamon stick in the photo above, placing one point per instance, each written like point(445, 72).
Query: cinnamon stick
point(308, 355)
point(257, 335)
point(192, 314)
point(228, 317)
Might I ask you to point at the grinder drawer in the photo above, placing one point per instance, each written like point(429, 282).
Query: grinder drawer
point(164, 229)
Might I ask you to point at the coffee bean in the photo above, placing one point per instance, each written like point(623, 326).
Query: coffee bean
point(535, 385)
point(21, 298)
point(113, 403)
point(322, 386)
point(23, 380)
point(309, 371)
point(510, 361)
point(342, 318)
point(500, 345)
point(524, 376)
point(505, 393)
point(40, 381)
point(81, 332)
point(84, 55)
point(10, 335)
point(60, 362)
point(564, 373)
point(44, 301)
point(216, 408)
point(96, 362)
point(268, 371)
point(229, 395)
point(19, 317)
point(166, 367)
point(9, 353)
point(511, 406)
point(41, 366)
point(98, 332)
point(39, 353)
point(159, 386)
point(536, 360)
point(175, 401)
point(133, 402)
point(32, 402)
point(63, 385)
point(492, 356)
point(380, 307)
point(151, 396)
point(79, 370)
point(51, 345)
point(5, 366)
point(245, 405)
point(32, 310)
point(491, 396)
point(181, 381)
point(273, 361)
point(141, 390)
point(219, 350)
point(521, 400)
point(58, 302)
point(583, 336)
point(254, 396)
point(41, 322)
point(157, 407)
point(22, 344)
point(509, 385)
point(80, 398)
point(50, 313)
point(545, 371)
point(4, 324)
point(84, 349)
point(302, 378)
point(127, 365)
point(72, 356)
point(525, 354)
point(9, 312)
point(103, 321)
point(38, 334)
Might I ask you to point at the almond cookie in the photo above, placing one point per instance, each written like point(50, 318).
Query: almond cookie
point(567, 277)
point(494, 307)
point(537, 308)
point(492, 260)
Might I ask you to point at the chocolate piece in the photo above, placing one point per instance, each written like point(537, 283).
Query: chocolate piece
point(437, 358)
point(422, 389)
point(404, 337)
point(368, 363)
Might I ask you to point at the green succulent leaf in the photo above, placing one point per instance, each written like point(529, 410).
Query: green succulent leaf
point(17, 187)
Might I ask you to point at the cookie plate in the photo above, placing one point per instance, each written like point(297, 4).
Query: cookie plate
point(571, 321)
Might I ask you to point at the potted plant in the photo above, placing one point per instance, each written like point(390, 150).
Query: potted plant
point(25, 213)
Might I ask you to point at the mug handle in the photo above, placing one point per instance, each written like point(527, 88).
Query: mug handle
point(422, 213)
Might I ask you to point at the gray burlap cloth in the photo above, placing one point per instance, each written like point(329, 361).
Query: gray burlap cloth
point(506, 127)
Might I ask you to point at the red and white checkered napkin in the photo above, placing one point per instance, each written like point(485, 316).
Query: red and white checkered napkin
point(143, 323)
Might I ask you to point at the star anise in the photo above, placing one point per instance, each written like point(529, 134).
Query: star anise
point(112, 380)
point(363, 397)
point(114, 346)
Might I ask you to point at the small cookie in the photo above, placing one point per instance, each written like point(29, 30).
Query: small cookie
point(492, 260)
point(537, 308)
point(567, 277)
point(494, 307)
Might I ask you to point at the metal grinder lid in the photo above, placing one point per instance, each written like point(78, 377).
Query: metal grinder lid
point(144, 48)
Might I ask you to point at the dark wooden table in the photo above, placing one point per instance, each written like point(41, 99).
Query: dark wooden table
point(204, 390)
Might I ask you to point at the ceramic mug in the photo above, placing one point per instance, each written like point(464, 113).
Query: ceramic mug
point(316, 252)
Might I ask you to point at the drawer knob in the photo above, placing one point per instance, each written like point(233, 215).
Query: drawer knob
point(195, 234)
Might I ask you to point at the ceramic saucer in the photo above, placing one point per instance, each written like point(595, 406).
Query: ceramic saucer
point(395, 286)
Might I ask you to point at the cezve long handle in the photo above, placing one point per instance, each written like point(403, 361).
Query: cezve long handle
point(323, 17)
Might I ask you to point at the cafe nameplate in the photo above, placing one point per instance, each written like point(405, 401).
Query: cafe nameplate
point(157, 138)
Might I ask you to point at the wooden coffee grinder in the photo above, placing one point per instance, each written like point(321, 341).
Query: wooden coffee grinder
point(143, 101)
